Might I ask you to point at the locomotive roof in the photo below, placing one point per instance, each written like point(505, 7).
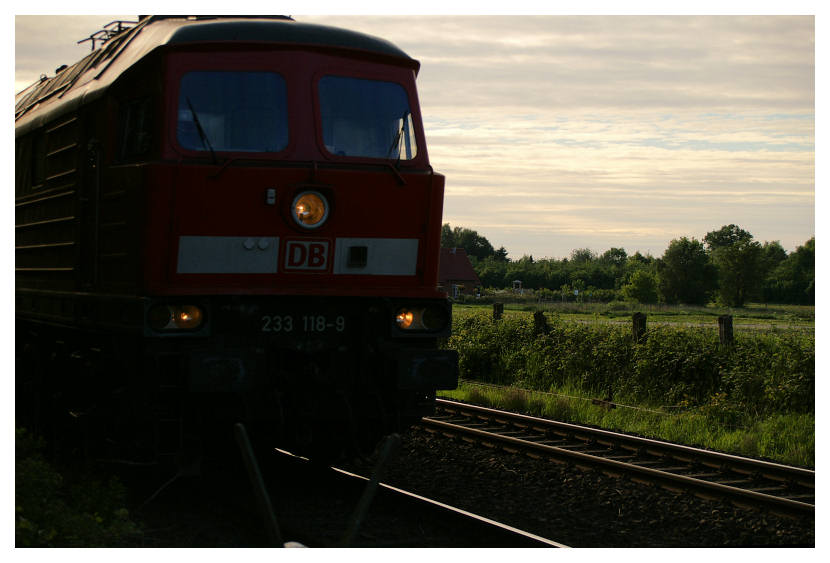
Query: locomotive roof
point(91, 76)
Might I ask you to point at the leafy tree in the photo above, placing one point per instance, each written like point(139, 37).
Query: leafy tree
point(772, 254)
point(582, 255)
point(727, 260)
point(610, 268)
point(805, 269)
point(491, 272)
point(633, 263)
point(614, 257)
point(642, 287)
point(500, 255)
point(738, 259)
point(554, 272)
point(685, 273)
point(527, 270)
point(793, 279)
point(468, 239)
point(447, 238)
point(638, 258)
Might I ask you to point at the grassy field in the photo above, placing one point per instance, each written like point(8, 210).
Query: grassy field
point(755, 398)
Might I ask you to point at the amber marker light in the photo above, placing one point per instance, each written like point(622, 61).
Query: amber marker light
point(175, 317)
point(187, 317)
point(405, 318)
point(310, 209)
point(422, 319)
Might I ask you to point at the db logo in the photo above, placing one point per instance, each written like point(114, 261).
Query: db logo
point(306, 255)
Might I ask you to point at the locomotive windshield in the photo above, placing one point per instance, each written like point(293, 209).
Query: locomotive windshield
point(366, 118)
point(232, 111)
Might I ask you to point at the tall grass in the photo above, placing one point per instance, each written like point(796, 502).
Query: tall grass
point(754, 398)
point(786, 438)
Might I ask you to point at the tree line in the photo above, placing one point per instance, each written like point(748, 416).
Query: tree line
point(728, 266)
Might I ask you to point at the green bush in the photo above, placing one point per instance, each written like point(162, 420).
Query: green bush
point(772, 372)
point(764, 372)
point(483, 345)
point(676, 365)
point(52, 512)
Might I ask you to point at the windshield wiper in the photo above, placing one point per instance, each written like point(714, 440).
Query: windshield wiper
point(202, 135)
point(396, 143)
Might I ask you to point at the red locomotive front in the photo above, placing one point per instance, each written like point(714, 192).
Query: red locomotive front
point(262, 239)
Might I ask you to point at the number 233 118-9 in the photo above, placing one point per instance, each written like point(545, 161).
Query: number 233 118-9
point(302, 323)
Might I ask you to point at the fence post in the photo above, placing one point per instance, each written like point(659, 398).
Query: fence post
point(725, 330)
point(540, 323)
point(638, 326)
point(498, 309)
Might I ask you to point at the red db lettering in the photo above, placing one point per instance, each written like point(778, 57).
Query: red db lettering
point(306, 255)
point(296, 255)
point(316, 255)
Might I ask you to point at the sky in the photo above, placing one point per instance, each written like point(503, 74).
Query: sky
point(560, 132)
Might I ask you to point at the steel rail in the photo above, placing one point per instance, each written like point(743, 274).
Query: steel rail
point(639, 447)
point(717, 460)
point(484, 521)
point(496, 533)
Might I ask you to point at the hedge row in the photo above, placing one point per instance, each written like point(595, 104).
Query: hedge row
point(764, 372)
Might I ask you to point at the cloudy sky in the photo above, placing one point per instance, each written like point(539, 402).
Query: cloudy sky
point(560, 132)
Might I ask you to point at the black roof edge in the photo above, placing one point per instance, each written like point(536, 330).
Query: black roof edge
point(281, 29)
point(217, 16)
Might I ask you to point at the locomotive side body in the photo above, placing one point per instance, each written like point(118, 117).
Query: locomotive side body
point(229, 219)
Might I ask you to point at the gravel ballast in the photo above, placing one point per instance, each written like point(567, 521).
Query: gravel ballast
point(571, 506)
point(576, 507)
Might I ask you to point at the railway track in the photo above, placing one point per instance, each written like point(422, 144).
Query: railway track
point(743, 481)
point(333, 507)
point(282, 500)
point(465, 528)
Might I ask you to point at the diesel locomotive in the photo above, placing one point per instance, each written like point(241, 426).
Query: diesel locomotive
point(225, 219)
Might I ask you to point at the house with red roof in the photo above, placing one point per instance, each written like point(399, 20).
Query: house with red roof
point(455, 273)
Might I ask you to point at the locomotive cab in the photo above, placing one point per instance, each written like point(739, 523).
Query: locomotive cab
point(259, 239)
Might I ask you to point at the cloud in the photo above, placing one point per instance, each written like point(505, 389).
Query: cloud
point(43, 43)
point(608, 62)
point(562, 132)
